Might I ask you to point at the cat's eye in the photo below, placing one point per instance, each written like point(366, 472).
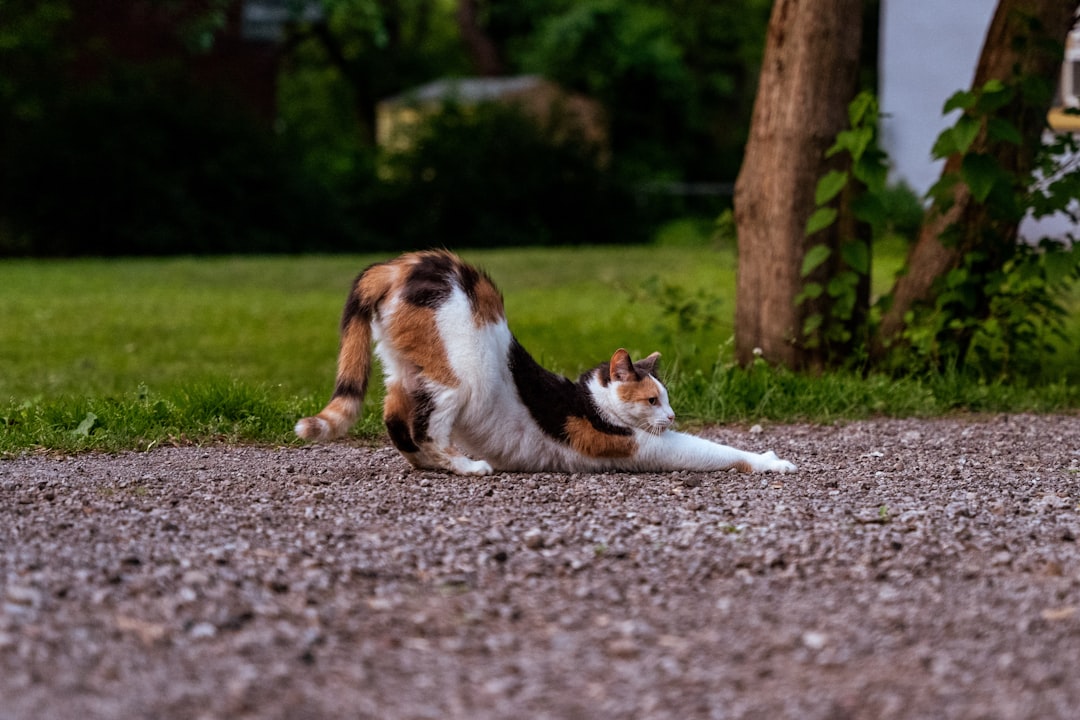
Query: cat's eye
point(652, 400)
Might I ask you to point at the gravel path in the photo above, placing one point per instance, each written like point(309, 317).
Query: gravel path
point(909, 569)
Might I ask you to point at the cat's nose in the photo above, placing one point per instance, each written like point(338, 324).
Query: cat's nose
point(671, 417)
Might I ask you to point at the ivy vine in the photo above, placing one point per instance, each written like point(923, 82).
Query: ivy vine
point(866, 166)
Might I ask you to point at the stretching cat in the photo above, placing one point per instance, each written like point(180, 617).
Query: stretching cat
point(464, 396)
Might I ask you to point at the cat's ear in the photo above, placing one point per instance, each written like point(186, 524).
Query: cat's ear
point(622, 368)
point(647, 366)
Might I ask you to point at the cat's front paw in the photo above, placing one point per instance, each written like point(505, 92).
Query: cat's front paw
point(772, 463)
point(465, 466)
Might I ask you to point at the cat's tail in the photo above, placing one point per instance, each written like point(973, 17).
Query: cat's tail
point(354, 364)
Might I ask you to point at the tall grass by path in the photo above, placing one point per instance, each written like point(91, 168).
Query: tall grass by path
point(114, 354)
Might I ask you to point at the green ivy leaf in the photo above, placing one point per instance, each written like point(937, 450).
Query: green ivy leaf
point(964, 131)
point(863, 107)
point(842, 285)
point(980, 172)
point(960, 100)
point(811, 291)
point(830, 186)
point(857, 256)
point(812, 323)
point(994, 95)
point(872, 171)
point(821, 219)
point(944, 146)
point(814, 257)
point(1001, 130)
point(870, 209)
point(858, 140)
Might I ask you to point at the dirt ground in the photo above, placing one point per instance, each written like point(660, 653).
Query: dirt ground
point(909, 569)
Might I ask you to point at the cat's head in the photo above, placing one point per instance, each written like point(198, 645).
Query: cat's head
point(635, 396)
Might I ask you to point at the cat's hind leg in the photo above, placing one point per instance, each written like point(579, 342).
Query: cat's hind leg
point(420, 424)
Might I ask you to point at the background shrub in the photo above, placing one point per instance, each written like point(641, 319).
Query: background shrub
point(143, 163)
point(488, 176)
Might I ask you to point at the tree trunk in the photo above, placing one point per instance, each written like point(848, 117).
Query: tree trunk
point(1024, 41)
point(482, 50)
point(809, 75)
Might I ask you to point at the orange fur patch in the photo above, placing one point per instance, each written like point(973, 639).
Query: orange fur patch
point(377, 282)
point(398, 404)
point(639, 392)
point(488, 307)
point(742, 466)
point(591, 442)
point(354, 358)
point(415, 335)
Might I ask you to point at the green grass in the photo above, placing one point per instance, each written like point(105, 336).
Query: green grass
point(113, 354)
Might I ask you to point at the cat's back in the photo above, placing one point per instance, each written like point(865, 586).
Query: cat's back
point(427, 281)
point(432, 310)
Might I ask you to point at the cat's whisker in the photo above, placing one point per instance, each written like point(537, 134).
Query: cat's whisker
point(657, 428)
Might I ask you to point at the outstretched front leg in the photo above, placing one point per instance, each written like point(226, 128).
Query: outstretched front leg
point(672, 451)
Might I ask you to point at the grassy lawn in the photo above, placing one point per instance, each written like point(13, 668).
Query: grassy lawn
point(130, 353)
point(101, 327)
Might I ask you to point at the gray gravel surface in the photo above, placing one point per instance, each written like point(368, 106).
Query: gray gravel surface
point(910, 568)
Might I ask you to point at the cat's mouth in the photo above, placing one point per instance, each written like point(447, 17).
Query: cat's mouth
point(658, 428)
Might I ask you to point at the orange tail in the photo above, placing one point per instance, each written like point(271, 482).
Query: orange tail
point(354, 362)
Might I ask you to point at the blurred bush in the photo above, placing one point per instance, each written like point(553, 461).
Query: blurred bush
point(486, 175)
point(904, 210)
point(144, 163)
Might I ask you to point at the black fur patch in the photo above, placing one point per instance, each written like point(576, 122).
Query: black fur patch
point(343, 388)
point(469, 277)
point(398, 429)
point(429, 283)
point(423, 406)
point(551, 398)
point(354, 306)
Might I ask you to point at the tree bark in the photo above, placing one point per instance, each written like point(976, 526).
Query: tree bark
point(482, 50)
point(1025, 40)
point(809, 75)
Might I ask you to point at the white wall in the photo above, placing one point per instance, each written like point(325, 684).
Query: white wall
point(929, 49)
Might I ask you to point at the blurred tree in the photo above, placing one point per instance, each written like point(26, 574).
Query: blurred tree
point(1022, 52)
point(800, 200)
point(676, 78)
point(377, 48)
point(810, 74)
point(484, 51)
point(124, 131)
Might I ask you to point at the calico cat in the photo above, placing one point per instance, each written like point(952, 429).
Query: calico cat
point(462, 395)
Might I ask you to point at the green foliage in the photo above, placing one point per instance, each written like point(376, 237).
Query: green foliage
point(30, 62)
point(145, 163)
point(903, 209)
point(1025, 321)
point(1001, 312)
point(488, 176)
point(729, 393)
point(866, 171)
point(677, 78)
